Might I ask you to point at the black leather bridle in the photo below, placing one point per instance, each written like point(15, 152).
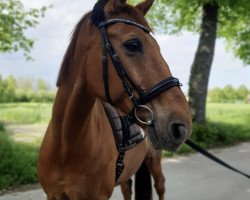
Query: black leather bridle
point(144, 97)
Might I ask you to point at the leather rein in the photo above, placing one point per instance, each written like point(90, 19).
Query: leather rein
point(128, 84)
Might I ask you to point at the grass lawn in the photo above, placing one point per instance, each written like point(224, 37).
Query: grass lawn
point(25, 125)
point(25, 112)
point(234, 120)
point(238, 114)
point(17, 161)
point(22, 126)
point(227, 124)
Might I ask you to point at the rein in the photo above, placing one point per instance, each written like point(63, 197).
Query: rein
point(214, 158)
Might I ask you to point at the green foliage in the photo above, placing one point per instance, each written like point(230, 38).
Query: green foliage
point(14, 20)
point(25, 90)
point(1, 127)
point(18, 162)
point(229, 94)
point(25, 112)
point(172, 17)
point(215, 95)
point(42, 85)
point(25, 84)
point(242, 93)
point(7, 89)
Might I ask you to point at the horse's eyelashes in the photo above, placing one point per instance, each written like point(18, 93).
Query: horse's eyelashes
point(133, 45)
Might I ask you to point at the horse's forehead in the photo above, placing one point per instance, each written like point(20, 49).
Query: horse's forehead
point(122, 29)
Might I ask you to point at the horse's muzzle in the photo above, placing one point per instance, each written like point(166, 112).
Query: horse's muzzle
point(178, 133)
point(169, 139)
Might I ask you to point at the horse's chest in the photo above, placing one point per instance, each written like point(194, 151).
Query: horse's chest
point(79, 185)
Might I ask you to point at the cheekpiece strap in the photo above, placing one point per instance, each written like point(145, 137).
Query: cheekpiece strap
point(107, 47)
point(128, 84)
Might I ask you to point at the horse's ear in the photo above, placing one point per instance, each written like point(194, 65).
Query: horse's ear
point(114, 5)
point(145, 6)
point(103, 8)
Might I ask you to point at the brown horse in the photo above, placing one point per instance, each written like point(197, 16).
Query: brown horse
point(78, 155)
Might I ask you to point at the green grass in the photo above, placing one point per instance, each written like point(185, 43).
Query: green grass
point(19, 150)
point(227, 124)
point(235, 114)
point(25, 112)
point(232, 122)
point(18, 161)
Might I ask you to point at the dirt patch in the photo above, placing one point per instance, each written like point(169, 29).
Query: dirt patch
point(30, 133)
point(22, 188)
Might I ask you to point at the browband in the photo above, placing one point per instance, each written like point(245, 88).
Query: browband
point(124, 21)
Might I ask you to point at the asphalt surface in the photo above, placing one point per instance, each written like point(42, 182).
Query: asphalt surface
point(192, 177)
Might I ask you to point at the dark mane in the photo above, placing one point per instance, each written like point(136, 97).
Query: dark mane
point(96, 16)
point(70, 50)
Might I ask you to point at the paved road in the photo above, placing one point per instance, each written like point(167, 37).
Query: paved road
point(191, 178)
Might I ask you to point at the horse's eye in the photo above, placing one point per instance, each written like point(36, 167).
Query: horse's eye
point(133, 45)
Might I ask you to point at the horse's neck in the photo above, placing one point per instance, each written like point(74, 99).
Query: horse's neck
point(75, 115)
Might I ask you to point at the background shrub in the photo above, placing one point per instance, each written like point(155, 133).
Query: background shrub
point(25, 90)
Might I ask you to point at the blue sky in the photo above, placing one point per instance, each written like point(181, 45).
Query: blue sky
point(53, 33)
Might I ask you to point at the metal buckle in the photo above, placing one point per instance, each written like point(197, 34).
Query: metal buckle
point(142, 107)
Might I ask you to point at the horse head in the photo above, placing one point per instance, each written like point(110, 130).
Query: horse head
point(132, 74)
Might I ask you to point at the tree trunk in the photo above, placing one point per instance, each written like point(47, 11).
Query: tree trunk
point(200, 70)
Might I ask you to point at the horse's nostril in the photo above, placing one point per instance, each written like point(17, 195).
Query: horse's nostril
point(179, 132)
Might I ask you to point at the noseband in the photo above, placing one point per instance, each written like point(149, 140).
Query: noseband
point(128, 84)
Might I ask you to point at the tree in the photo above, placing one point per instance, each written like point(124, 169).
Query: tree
point(42, 85)
point(7, 89)
point(216, 95)
point(229, 93)
point(25, 84)
point(242, 92)
point(228, 19)
point(14, 20)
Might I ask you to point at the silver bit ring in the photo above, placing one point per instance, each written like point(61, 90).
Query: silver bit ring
point(142, 107)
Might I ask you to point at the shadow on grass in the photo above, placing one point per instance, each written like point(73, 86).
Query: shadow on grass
point(18, 163)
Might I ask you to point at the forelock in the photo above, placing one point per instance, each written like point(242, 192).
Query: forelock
point(98, 13)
